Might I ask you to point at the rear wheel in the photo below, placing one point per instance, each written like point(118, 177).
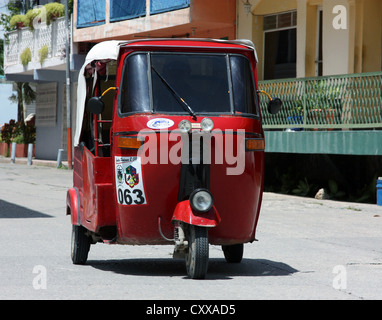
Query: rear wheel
point(80, 245)
point(198, 252)
point(233, 253)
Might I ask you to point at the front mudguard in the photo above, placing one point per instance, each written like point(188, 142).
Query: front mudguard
point(73, 206)
point(184, 212)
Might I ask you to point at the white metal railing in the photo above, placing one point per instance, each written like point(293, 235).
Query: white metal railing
point(53, 36)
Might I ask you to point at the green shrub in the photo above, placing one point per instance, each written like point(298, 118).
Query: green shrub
point(54, 10)
point(18, 132)
point(9, 131)
point(43, 53)
point(31, 15)
point(26, 56)
point(18, 21)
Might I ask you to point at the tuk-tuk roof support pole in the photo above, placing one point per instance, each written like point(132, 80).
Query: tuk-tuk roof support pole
point(68, 89)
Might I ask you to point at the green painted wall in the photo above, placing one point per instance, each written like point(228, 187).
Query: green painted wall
point(365, 142)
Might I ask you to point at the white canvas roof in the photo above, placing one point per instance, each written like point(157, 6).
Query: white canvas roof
point(109, 50)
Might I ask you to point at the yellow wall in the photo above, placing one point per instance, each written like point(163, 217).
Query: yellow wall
point(258, 35)
point(358, 48)
point(311, 40)
point(306, 38)
point(251, 26)
point(371, 36)
point(264, 7)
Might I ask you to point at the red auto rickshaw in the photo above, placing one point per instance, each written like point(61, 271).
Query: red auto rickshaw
point(169, 148)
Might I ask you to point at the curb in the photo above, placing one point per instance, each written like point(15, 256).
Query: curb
point(35, 162)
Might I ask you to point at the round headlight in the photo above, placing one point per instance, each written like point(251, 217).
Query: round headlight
point(201, 200)
point(185, 126)
point(207, 124)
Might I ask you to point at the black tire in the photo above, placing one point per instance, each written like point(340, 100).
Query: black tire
point(198, 252)
point(80, 245)
point(233, 253)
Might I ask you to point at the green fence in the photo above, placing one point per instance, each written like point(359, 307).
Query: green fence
point(352, 101)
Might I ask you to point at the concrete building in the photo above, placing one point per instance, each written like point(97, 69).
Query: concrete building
point(47, 69)
point(123, 20)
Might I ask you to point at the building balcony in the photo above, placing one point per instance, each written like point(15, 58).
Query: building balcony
point(332, 114)
point(96, 21)
point(49, 39)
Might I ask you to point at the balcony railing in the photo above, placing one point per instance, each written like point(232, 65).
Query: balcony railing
point(52, 36)
point(351, 101)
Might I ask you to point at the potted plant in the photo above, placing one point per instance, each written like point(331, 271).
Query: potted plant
point(26, 56)
point(3, 148)
point(54, 10)
point(297, 113)
point(324, 104)
point(43, 53)
point(26, 133)
point(7, 133)
point(20, 133)
point(19, 21)
point(31, 15)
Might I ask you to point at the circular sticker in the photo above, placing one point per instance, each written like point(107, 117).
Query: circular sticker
point(160, 123)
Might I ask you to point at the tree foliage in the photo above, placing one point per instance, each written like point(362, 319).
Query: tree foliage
point(24, 94)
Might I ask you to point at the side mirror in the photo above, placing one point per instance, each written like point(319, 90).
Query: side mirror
point(96, 105)
point(274, 105)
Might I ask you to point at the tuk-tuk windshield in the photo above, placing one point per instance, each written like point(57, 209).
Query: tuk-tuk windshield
point(181, 83)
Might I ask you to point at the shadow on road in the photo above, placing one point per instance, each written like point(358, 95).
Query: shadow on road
point(13, 211)
point(218, 268)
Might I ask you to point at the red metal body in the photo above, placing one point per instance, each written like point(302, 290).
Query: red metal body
point(184, 212)
point(94, 202)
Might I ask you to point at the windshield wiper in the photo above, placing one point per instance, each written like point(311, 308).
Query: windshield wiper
point(183, 103)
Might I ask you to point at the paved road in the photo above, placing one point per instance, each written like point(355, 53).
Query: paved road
point(307, 249)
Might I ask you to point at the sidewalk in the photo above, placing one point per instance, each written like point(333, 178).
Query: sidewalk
point(370, 207)
point(35, 162)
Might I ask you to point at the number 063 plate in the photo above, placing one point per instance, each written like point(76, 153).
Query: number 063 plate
point(129, 181)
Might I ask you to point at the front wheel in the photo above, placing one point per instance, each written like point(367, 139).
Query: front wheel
point(198, 252)
point(80, 245)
